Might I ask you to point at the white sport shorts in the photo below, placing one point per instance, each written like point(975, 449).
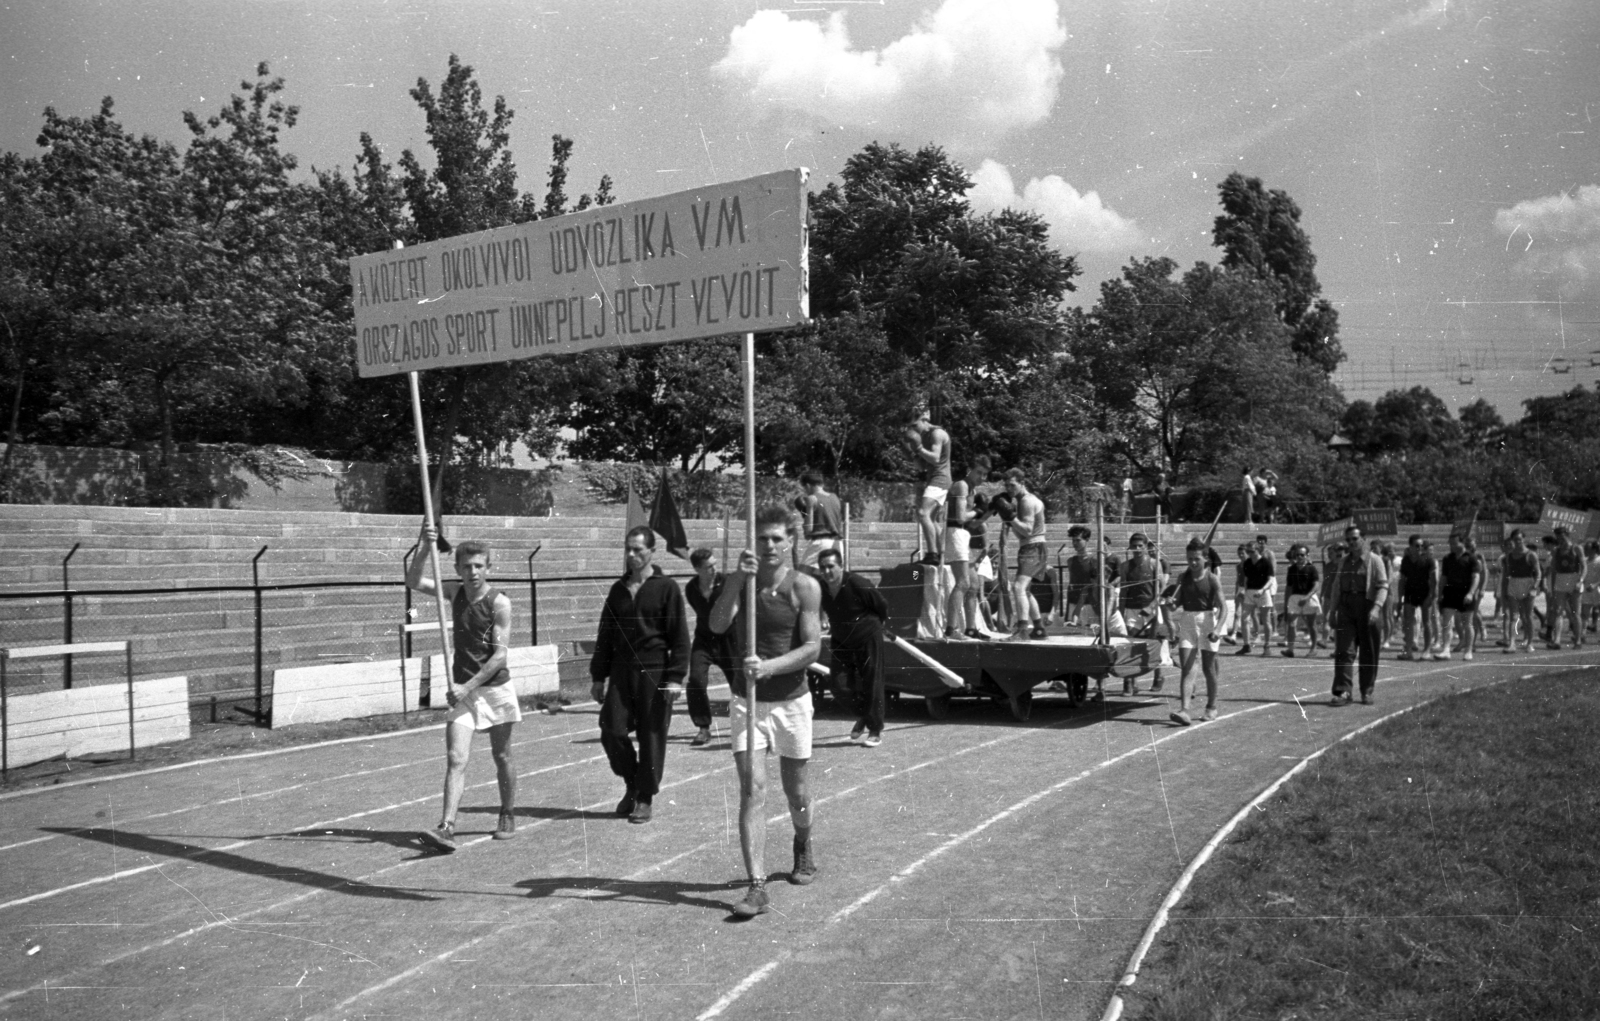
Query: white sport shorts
point(1307, 605)
point(957, 543)
point(814, 547)
point(1256, 598)
point(935, 493)
point(783, 726)
point(486, 707)
point(1197, 629)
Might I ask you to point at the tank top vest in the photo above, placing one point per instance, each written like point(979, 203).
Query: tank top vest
point(1522, 565)
point(474, 637)
point(777, 633)
point(939, 472)
point(825, 517)
point(1195, 596)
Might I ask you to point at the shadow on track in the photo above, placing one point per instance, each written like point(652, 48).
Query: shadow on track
point(637, 891)
point(123, 840)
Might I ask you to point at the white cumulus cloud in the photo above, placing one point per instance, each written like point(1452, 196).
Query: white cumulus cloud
point(1079, 222)
point(1556, 239)
point(971, 69)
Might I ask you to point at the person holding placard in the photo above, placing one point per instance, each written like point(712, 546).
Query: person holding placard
point(478, 691)
point(788, 638)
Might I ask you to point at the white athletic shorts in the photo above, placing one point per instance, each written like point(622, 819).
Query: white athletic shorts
point(935, 493)
point(486, 707)
point(1117, 621)
point(1307, 605)
point(1197, 629)
point(957, 543)
point(1256, 598)
point(784, 726)
point(986, 568)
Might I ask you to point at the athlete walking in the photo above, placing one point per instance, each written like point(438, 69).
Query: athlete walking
point(478, 691)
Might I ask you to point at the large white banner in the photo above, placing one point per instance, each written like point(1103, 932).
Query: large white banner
point(723, 259)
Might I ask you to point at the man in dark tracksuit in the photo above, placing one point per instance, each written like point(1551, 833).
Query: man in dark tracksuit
point(857, 613)
point(708, 648)
point(640, 658)
point(1358, 592)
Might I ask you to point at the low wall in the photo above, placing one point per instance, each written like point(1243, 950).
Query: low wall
point(83, 721)
point(343, 691)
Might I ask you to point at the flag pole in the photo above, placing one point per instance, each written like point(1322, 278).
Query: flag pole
point(1100, 553)
point(750, 544)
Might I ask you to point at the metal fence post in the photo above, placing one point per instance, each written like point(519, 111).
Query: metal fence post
point(255, 584)
point(132, 744)
point(533, 597)
point(66, 617)
point(405, 571)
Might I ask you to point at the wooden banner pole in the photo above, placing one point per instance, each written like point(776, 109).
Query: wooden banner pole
point(427, 510)
point(750, 541)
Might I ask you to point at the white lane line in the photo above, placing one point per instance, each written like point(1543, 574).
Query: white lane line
point(429, 761)
point(1130, 974)
point(422, 966)
point(755, 977)
point(225, 848)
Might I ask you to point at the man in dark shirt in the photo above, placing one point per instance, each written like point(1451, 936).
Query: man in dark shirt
point(1140, 579)
point(857, 613)
point(708, 648)
point(824, 519)
point(1461, 582)
point(640, 658)
point(1303, 581)
point(479, 690)
point(1085, 577)
point(1567, 570)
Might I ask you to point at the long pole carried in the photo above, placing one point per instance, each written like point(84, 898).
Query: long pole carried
point(750, 537)
point(1105, 576)
point(427, 510)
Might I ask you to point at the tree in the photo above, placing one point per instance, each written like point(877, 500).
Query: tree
point(1193, 372)
point(1259, 232)
point(1414, 419)
point(1481, 424)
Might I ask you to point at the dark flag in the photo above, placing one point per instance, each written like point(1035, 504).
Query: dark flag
point(635, 509)
point(665, 521)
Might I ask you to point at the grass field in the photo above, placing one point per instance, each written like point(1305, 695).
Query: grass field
point(1445, 865)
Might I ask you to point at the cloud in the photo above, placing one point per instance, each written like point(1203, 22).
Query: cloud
point(1556, 240)
point(972, 69)
point(1078, 222)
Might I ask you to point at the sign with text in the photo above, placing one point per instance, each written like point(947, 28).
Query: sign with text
point(1331, 532)
point(723, 259)
point(1376, 521)
point(1577, 521)
point(1484, 533)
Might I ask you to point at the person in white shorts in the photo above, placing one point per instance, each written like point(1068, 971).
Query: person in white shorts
point(1196, 603)
point(788, 639)
point(479, 690)
point(957, 547)
point(931, 445)
point(1302, 602)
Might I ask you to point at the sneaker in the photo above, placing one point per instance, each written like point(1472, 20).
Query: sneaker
point(641, 811)
point(1181, 717)
point(1366, 699)
point(1467, 655)
point(974, 634)
point(1441, 656)
point(858, 733)
point(625, 806)
point(872, 741)
point(952, 635)
point(701, 737)
point(1553, 645)
point(1038, 633)
point(1409, 656)
point(1508, 650)
point(1129, 688)
point(1288, 654)
point(507, 828)
point(1156, 687)
point(1229, 640)
point(753, 903)
point(1210, 713)
point(1338, 700)
point(1528, 647)
point(441, 838)
point(1243, 650)
point(805, 867)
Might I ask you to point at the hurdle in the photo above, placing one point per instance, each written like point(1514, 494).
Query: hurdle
point(68, 649)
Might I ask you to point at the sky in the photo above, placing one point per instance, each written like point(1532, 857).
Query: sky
point(1444, 153)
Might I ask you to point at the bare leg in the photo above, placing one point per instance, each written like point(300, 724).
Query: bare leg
point(926, 512)
point(956, 618)
point(1185, 667)
point(1208, 666)
point(457, 746)
point(753, 811)
point(504, 768)
point(798, 790)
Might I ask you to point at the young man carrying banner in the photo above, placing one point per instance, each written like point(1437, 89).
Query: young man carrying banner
point(1197, 606)
point(788, 639)
point(479, 690)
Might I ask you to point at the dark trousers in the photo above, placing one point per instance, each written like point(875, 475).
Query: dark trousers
point(702, 657)
point(634, 702)
point(860, 668)
point(1356, 629)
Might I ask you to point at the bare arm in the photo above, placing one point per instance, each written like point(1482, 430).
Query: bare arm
point(1022, 524)
point(726, 608)
point(941, 443)
point(416, 580)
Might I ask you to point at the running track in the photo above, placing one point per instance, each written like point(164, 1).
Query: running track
point(973, 868)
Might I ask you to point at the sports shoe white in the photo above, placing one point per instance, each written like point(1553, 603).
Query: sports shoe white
point(871, 741)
